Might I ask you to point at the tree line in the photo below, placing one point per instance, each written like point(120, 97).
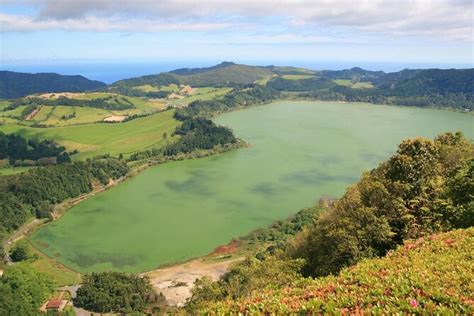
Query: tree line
point(16, 148)
point(107, 103)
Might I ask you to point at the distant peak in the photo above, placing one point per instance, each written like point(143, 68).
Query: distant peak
point(225, 64)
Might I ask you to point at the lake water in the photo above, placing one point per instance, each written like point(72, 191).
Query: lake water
point(177, 211)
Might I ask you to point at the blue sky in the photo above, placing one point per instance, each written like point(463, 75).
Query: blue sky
point(404, 32)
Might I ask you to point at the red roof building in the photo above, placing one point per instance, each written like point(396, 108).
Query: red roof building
point(53, 304)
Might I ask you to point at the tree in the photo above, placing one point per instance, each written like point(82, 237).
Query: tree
point(23, 290)
point(20, 251)
point(117, 292)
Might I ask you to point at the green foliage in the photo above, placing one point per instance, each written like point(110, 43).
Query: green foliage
point(23, 290)
point(116, 292)
point(247, 277)
point(405, 197)
point(15, 147)
point(461, 192)
point(162, 79)
point(199, 133)
point(16, 84)
point(430, 275)
point(281, 230)
point(20, 252)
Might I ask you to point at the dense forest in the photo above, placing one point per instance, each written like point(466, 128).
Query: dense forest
point(35, 192)
point(108, 103)
point(199, 133)
point(23, 290)
point(426, 187)
point(118, 292)
point(16, 84)
point(16, 148)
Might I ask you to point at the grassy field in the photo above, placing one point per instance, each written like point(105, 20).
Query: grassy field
point(13, 170)
point(97, 139)
point(350, 84)
point(206, 93)
point(297, 77)
point(146, 88)
point(53, 269)
point(58, 115)
point(264, 81)
point(172, 88)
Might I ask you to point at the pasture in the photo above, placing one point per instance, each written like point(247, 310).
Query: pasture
point(61, 115)
point(297, 77)
point(102, 138)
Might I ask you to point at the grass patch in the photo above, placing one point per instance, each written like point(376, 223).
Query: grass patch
point(356, 85)
point(147, 88)
point(172, 88)
point(56, 271)
point(13, 170)
point(297, 77)
point(206, 93)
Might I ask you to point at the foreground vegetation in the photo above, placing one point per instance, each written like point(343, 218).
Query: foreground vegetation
point(430, 275)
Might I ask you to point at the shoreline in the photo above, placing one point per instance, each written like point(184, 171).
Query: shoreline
point(62, 208)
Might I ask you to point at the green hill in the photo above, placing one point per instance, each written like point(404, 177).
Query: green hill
point(17, 84)
point(222, 74)
point(431, 275)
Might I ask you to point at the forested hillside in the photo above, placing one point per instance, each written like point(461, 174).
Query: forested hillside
point(16, 84)
point(450, 88)
point(34, 193)
point(425, 188)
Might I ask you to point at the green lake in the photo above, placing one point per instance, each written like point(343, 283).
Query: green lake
point(176, 211)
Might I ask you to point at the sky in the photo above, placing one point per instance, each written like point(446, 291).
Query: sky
point(407, 33)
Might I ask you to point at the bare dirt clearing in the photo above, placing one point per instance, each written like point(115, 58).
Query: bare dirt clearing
point(115, 118)
point(177, 281)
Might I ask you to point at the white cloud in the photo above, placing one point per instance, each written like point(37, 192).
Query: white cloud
point(15, 23)
point(423, 18)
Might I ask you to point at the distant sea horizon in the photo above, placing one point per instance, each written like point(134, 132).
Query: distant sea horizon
point(111, 71)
